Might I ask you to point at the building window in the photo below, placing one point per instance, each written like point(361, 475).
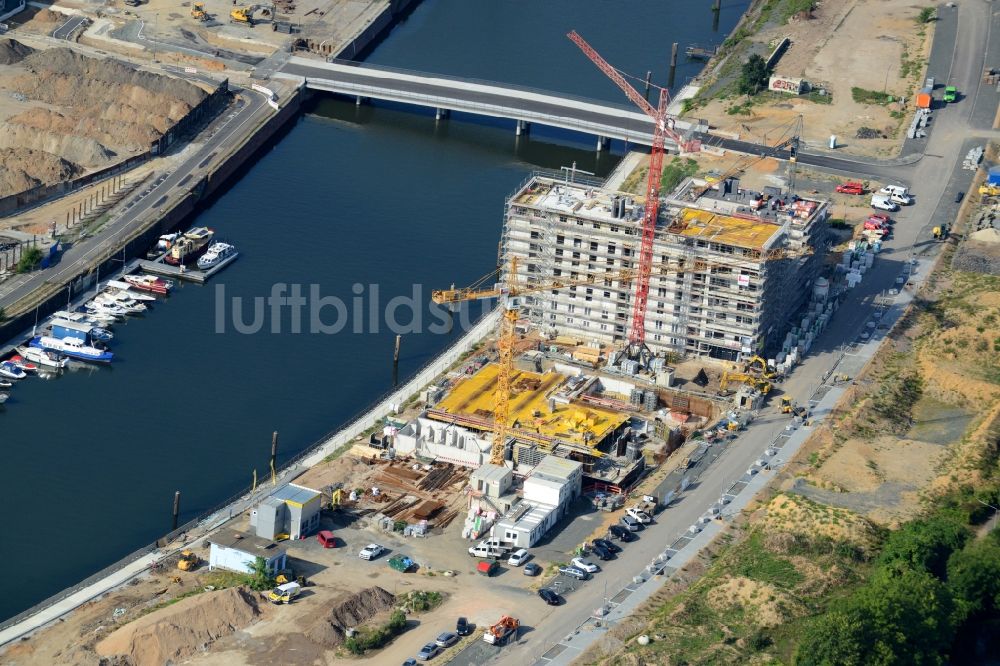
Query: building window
point(611, 248)
point(559, 253)
point(560, 240)
point(597, 225)
point(577, 242)
point(593, 246)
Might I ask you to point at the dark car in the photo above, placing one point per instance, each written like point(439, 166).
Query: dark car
point(549, 597)
point(532, 569)
point(601, 552)
point(959, 197)
point(622, 533)
point(608, 545)
point(462, 627)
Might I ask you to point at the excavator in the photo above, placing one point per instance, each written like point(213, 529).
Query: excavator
point(188, 561)
point(198, 11)
point(758, 383)
point(989, 190)
point(245, 14)
point(758, 366)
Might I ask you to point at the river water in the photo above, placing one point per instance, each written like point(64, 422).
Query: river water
point(347, 199)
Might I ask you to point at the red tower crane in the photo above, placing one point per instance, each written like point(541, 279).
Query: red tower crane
point(663, 127)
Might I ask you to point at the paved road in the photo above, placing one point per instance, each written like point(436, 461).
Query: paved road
point(226, 130)
point(946, 147)
point(66, 29)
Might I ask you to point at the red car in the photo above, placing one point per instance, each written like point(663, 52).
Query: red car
point(880, 218)
point(851, 188)
point(326, 538)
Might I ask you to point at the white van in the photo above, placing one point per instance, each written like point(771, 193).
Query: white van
point(900, 199)
point(283, 594)
point(889, 190)
point(882, 202)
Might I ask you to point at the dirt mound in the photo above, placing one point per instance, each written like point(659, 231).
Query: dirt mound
point(986, 236)
point(48, 16)
point(800, 515)
point(24, 169)
point(12, 51)
point(184, 628)
point(765, 604)
point(66, 144)
point(349, 611)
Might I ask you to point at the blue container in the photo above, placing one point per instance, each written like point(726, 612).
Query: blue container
point(994, 176)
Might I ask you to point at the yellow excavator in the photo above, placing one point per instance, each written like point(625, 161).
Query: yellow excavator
point(986, 189)
point(761, 385)
point(198, 11)
point(245, 14)
point(758, 366)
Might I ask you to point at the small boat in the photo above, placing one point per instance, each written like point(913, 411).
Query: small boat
point(105, 308)
point(45, 359)
point(6, 384)
point(9, 370)
point(217, 253)
point(163, 245)
point(129, 305)
point(78, 317)
point(73, 348)
point(190, 246)
point(150, 283)
point(23, 363)
point(4, 397)
point(115, 287)
point(96, 318)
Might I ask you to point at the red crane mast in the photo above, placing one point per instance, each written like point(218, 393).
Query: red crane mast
point(663, 127)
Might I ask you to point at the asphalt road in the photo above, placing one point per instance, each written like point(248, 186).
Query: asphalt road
point(226, 130)
point(67, 28)
point(935, 180)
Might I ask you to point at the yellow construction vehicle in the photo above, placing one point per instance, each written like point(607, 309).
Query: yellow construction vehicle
point(242, 15)
point(989, 190)
point(728, 378)
point(189, 561)
point(786, 405)
point(198, 11)
point(758, 366)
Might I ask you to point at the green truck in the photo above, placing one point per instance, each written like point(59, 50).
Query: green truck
point(950, 93)
point(401, 563)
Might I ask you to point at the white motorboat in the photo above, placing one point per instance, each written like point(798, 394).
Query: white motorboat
point(129, 305)
point(156, 285)
point(81, 317)
point(9, 370)
point(101, 307)
point(217, 253)
point(44, 358)
point(6, 383)
point(72, 347)
point(116, 287)
point(4, 397)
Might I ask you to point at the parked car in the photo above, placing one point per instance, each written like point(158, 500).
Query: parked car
point(639, 515)
point(462, 627)
point(410, 662)
point(893, 189)
point(532, 569)
point(573, 572)
point(609, 545)
point(581, 563)
point(622, 533)
point(601, 552)
point(371, 551)
point(446, 640)
point(959, 196)
point(326, 539)
point(518, 557)
point(881, 218)
point(630, 523)
point(428, 652)
point(487, 567)
point(900, 199)
point(549, 597)
point(851, 188)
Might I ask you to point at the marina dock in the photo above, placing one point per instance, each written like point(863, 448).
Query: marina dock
point(163, 269)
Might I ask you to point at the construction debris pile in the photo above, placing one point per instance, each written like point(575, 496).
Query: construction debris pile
point(980, 252)
point(348, 612)
point(419, 496)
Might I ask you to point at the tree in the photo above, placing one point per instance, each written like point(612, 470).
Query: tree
point(260, 577)
point(924, 545)
point(754, 75)
point(974, 576)
point(837, 637)
point(30, 258)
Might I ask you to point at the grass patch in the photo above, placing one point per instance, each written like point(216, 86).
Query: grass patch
point(864, 96)
point(815, 97)
point(756, 562)
point(421, 601)
point(375, 638)
point(678, 169)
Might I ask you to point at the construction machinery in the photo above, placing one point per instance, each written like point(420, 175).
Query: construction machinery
point(663, 128)
point(989, 190)
point(198, 12)
point(941, 232)
point(762, 385)
point(245, 15)
point(759, 367)
point(500, 633)
point(188, 561)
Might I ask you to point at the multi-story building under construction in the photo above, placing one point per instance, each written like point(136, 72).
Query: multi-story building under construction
point(730, 266)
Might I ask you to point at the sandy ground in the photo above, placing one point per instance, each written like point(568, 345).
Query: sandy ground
point(837, 50)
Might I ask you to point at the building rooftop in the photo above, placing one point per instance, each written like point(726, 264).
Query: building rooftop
point(248, 543)
point(490, 473)
point(530, 407)
point(556, 467)
point(725, 229)
point(579, 199)
point(294, 494)
point(526, 515)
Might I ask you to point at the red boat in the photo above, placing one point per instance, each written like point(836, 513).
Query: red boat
point(23, 363)
point(150, 283)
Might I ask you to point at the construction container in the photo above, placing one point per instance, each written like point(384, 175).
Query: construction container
point(821, 290)
point(993, 178)
point(925, 99)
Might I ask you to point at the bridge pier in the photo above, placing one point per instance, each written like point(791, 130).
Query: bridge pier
point(602, 143)
point(522, 127)
point(359, 100)
point(440, 114)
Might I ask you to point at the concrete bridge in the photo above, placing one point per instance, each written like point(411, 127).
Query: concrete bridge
point(525, 106)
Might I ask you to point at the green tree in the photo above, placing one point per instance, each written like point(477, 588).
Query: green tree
point(924, 545)
point(974, 576)
point(754, 75)
point(838, 637)
point(260, 577)
point(30, 258)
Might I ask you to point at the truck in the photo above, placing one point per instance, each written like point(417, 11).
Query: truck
point(401, 563)
point(500, 633)
point(491, 548)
